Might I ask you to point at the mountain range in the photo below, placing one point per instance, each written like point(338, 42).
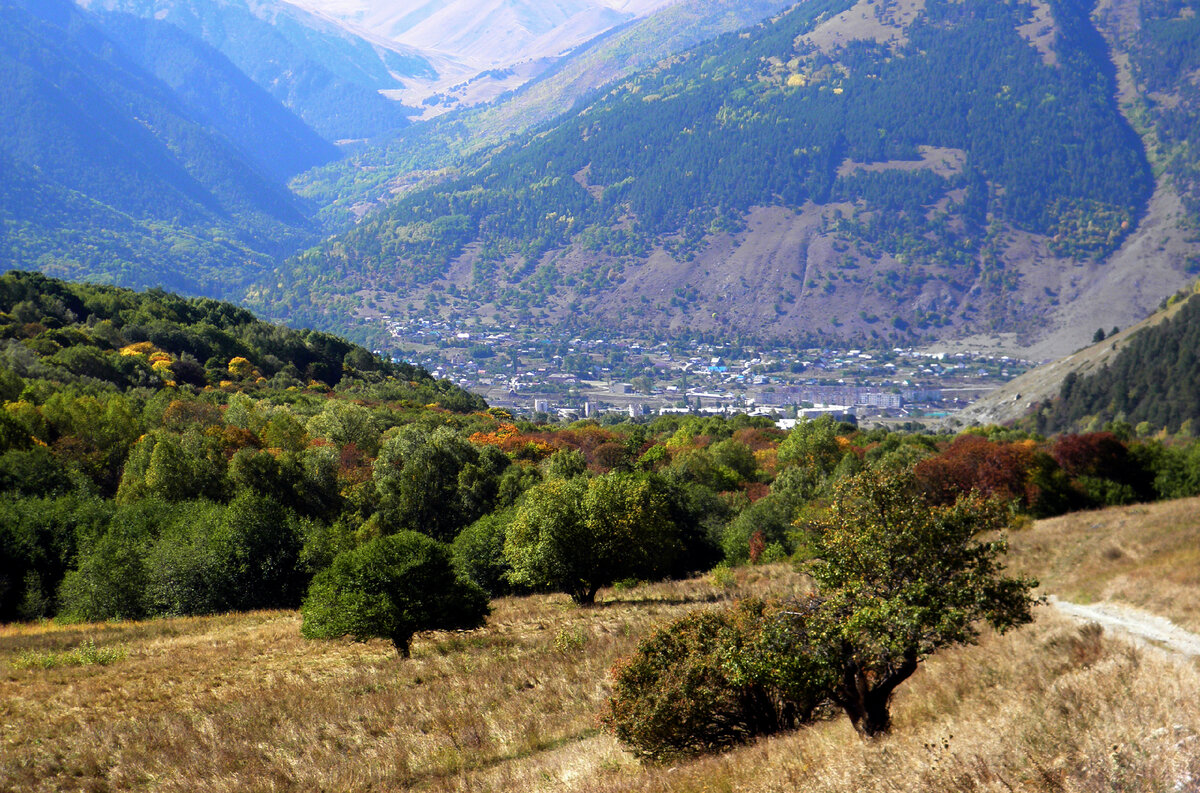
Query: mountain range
point(874, 172)
point(855, 171)
point(482, 49)
point(111, 174)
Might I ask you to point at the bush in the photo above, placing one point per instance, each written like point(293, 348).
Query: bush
point(712, 680)
point(478, 552)
point(770, 518)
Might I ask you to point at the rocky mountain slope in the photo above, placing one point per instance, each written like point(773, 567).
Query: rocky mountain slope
point(880, 173)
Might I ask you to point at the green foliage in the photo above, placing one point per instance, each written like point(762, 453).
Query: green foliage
point(39, 538)
point(812, 443)
point(478, 552)
point(900, 579)
point(576, 535)
point(109, 581)
point(435, 483)
point(1154, 377)
point(393, 587)
point(86, 654)
point(564, 464)
point(769, 518)
point(711, 680)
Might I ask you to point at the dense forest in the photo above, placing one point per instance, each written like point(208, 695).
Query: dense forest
point(1153, 383)
point(766, 118)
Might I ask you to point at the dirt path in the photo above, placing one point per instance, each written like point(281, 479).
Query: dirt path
point(1141, 627)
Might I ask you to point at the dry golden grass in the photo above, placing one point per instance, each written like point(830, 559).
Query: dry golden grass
point(1146, 555)
point(242, 703)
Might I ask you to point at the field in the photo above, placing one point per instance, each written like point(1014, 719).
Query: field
point(242, 703)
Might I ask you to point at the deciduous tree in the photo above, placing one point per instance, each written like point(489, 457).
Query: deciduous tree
point(391, 588)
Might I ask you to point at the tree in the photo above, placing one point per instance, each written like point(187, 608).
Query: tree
point(898, 579)
point(577, 535)
point(391, 588)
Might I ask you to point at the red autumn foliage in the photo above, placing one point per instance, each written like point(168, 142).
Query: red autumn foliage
point(995, 469)
point(1099, 454)
point(757, 546)
point(757, 490)
point(759, 439)
point(353, 465)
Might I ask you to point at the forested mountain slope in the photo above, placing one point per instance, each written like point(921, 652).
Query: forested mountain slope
point(1153, 377)
point(428, 153)
point(855, 170)
point(111, 175)
point(328, 75)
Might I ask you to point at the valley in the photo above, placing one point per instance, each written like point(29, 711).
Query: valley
point(613, 377)
point(600, 395)
point(918, 242)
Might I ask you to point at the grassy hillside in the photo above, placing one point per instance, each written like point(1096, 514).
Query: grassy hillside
point(243, 703)
point(1143, 555)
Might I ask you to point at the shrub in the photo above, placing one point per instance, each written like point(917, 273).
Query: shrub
point(712, 680)
point(478, 552)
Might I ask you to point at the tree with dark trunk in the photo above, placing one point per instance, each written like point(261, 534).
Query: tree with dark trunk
point(577, 535)
point(391, 588)
point(898, 579)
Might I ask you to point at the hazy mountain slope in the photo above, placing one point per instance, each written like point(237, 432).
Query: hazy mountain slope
point(220, 96)
point(488, 47)
point(426, 152)
point(847, 169)
point(485, 33)
point(111, 176)
point(328, 75)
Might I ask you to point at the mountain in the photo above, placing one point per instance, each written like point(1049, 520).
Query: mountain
point(846, 170)
point(111, 175)
point(425, 153)
point(487, 48)
point(329, 75)
point(1153, 376)
point(221, 97)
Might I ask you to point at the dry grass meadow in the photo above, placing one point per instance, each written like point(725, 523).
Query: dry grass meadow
point(1146, 555)
point(242, 703)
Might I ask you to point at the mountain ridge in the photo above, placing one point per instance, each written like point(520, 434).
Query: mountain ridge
point(992, 247)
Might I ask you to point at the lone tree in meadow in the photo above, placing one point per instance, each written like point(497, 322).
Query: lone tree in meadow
point(391, 588)
point(900, 579)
